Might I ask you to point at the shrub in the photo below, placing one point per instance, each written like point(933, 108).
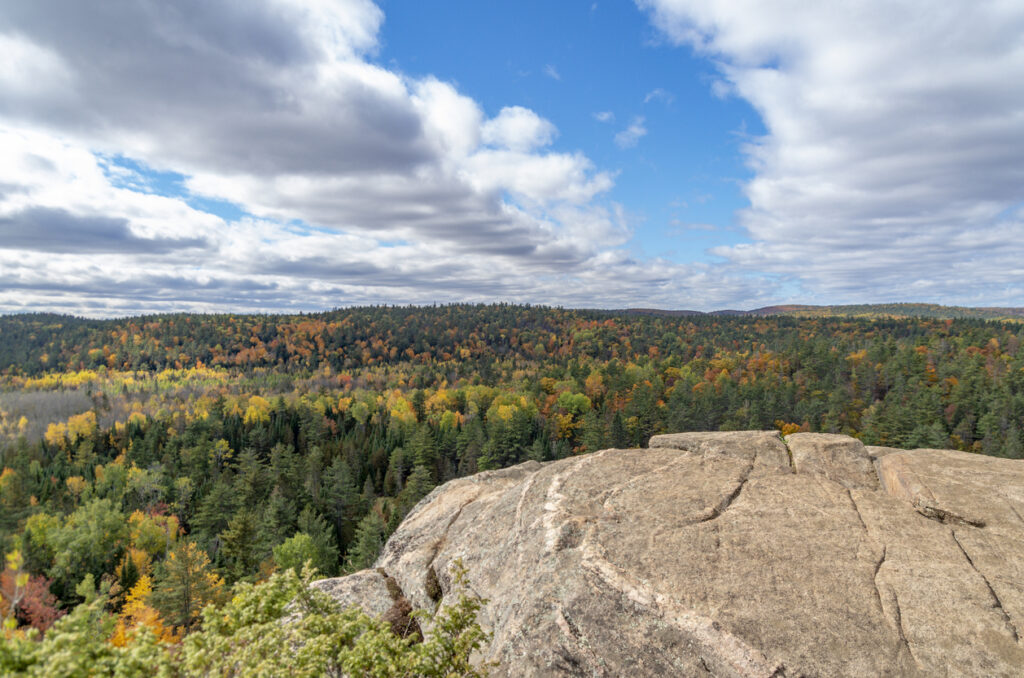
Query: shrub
point(278, 627)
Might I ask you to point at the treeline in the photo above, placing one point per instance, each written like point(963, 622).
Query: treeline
point(904, 310)
point(191, 452)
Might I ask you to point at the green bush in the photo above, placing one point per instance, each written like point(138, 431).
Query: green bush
point(278, 627)
point(294, 551)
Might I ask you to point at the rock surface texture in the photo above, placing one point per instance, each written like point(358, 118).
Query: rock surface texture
point(733, 554)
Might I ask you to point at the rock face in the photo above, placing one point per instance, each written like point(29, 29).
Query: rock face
point(375, 593)
point(734, 554)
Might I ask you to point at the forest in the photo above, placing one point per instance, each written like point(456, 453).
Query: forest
point(154, 463)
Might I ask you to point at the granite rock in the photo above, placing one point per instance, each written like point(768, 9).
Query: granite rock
point(733, 554)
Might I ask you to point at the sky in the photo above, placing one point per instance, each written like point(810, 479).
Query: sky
point(303, 155)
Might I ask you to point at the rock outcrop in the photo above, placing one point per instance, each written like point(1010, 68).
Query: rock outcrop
point(733, 554)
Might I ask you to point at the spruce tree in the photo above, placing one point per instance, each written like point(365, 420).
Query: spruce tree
point(368, 542)
point(185, 584)
point(339, 499)
point(327, 553)
point(418, 486)
point(244, 546)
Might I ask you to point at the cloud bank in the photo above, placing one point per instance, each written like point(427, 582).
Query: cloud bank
point(891, 167)
point(357, 183)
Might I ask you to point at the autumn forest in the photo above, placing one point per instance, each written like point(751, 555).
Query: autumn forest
point(164, 458)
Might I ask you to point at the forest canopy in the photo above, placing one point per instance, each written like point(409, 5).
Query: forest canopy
point(162, 460)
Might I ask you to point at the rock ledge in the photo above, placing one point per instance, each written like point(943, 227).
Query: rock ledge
point(730, 554)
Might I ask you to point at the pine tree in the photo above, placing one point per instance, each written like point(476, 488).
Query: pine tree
point(538, 450)
point(278, 520)
point(215, 509)
point(368, 542)
point(424, 449)
point(287, 470)
point(185, 584)
point(394, 478)
point(418, 486)
point(244, 546)
point(339, 499)
point(469, 446)
point(327, 554)
point(369, 493)
point(129, 573)
point(250, 482)
point(314, 472)
point(1013, 447)
point(619, 436)
point(593, 437)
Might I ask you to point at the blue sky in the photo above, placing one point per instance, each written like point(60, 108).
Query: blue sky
point(571, 61)
point(285, 155)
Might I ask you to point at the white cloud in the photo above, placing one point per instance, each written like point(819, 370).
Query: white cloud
point(29, 70)
point(895, 130)
point(552, 72)
point(538, 179)
point(629, 137)
point(451, 122)
point(120, 251)
point(519, 129)
point(658, 94)
point(359, 184)
point(604, 116)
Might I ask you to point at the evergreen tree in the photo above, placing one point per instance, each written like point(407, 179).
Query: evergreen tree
point(369, 493)
point(278, 520)
point(619, 436)
point(423, 448)
point(250, 483)
point(243, 545)
point(215, 509)
point(91, 541)
point(593, 437)
point(320, 532)
point(538, 450)
point(339, 499)
point(1013, 447)
point(394, 478)
point(314, 472)
point(418, 486)
point(286, 468)
point(185, 584)
point(469, 446)
point(129, 573)
point(368, 542)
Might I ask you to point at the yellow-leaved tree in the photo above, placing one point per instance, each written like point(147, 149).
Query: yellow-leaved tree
point(137, 614)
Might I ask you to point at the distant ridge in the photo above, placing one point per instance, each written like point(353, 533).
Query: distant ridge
point(903, 310)
point(869, 311)
point(656, 311)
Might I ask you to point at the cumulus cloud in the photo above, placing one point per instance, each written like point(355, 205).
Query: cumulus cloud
point(518, 128)
point(604, 116)
point(630, 137)
point(357, 184)
point(891, 164)
point(46, 229)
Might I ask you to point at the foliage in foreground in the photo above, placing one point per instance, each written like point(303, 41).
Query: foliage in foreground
point(278, 627)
